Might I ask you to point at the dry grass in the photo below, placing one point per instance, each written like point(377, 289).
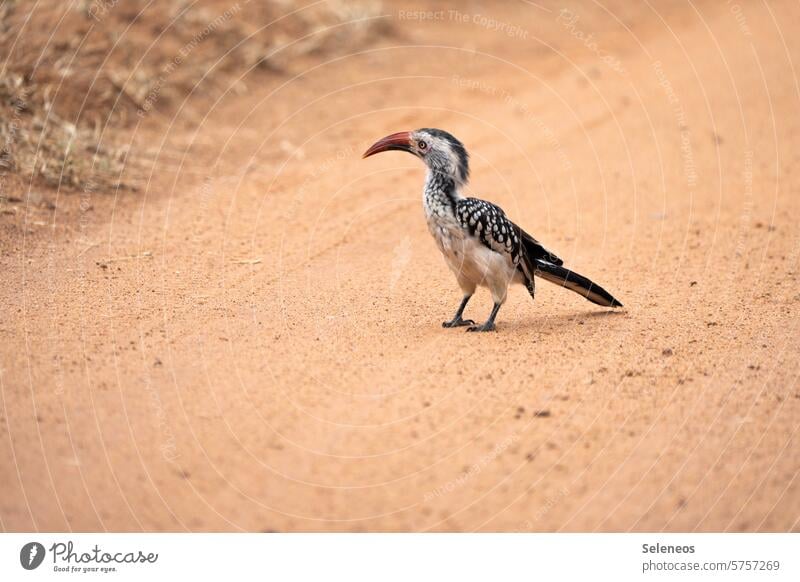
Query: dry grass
point(73, 74)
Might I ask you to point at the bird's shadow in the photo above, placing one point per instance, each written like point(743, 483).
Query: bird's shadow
point(578, 320)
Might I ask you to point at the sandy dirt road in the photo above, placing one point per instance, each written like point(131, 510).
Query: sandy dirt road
point(254, 342)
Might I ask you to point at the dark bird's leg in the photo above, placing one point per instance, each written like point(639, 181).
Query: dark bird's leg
point(489, 325)
point(457, 321)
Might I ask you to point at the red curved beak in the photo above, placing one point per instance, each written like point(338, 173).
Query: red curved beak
point(397, 141)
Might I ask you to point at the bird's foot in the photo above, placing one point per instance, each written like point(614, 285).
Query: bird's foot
point(488, 326)
point(457, 322)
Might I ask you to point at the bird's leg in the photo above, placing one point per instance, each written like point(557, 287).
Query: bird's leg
point(457, 321)
point(489, 325)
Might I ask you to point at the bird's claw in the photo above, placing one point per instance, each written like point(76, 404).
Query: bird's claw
point(485, 327)
point(457, 322)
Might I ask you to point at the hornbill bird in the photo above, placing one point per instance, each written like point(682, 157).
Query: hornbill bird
point(479, 243)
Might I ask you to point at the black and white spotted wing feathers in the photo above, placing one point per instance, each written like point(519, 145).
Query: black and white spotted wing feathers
point(488, 222)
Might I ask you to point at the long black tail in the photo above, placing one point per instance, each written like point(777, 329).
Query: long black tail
point(574, 282)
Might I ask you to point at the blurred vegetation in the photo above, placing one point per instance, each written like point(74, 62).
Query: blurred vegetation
point(73, 75)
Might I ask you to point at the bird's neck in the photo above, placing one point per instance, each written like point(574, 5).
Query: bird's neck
point(441, 191)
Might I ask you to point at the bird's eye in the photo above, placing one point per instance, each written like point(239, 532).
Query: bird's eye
point(422, 145)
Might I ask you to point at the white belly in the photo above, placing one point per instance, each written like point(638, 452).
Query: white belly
point(471, 261)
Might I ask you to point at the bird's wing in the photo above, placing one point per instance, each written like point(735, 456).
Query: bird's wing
point(490, 224)
point(535, 250)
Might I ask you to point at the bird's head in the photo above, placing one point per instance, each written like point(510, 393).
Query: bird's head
point(440, 151)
